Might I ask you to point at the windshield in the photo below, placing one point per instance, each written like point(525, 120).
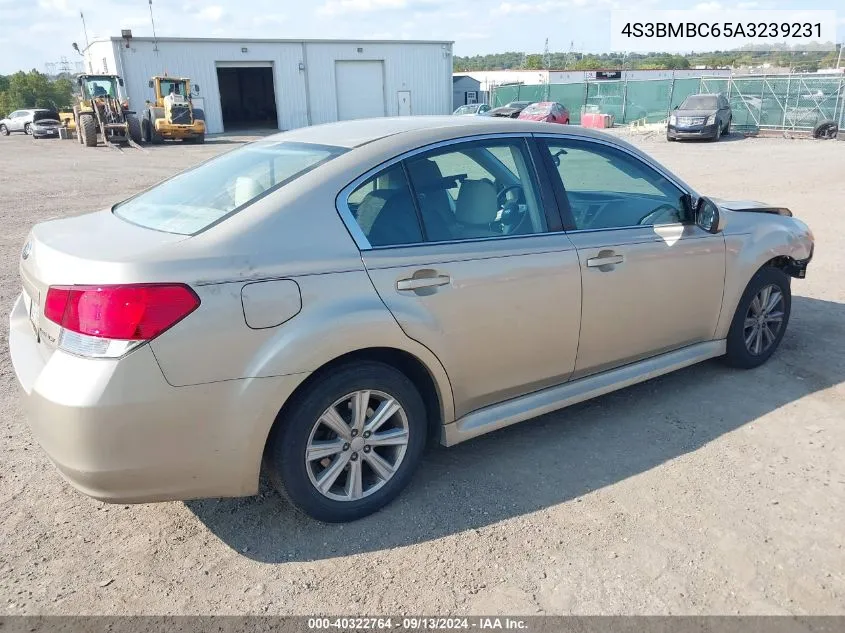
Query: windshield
point(168, 86)
point(200, 197)
point(538, 108)
point(700, 102)
point(100, 87)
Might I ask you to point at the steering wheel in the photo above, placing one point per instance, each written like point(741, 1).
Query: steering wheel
point(512, 217)
point(649, 217)
point(502, 197)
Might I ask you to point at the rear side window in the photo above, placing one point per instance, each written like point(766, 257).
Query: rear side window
point(384, 209)
point(200, 197)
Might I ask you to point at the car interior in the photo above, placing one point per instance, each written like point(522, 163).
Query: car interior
point(466, 194)
point(608, 189)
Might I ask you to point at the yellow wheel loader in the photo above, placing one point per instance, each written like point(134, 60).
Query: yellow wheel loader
point(100, 111)
point(172, 116)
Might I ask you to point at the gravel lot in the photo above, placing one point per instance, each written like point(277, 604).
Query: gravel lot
point(707, 491)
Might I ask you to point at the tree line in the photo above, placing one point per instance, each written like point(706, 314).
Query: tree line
point(34, 90)
point(799, 61)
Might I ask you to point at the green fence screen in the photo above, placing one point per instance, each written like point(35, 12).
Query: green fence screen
point(782, 102)
point(788, 102)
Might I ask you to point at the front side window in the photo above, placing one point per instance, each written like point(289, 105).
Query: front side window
point(607, 188)
point(200, 197)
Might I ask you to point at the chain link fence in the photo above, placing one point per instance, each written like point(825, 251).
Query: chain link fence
point(783, 102)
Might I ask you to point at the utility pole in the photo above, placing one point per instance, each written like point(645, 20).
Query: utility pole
point(547, 63)
point(84, 29)
point(152, 20)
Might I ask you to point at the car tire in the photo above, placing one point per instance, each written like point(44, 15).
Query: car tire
point(27, 129)
point(727, 129)
point(740, 352)
point(669, 137)
point(826, 130)
point(4, 130)
point(718, 136)
point(300, 425)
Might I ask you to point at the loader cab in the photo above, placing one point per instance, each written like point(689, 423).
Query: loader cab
point(164, 86)
point(99, 86)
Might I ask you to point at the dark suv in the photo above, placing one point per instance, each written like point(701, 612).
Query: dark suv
point(700, 116)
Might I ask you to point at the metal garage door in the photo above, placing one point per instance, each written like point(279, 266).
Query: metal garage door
point(360, 89)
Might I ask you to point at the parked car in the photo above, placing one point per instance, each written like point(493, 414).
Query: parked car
point(472, 109)
point(510, 110)
point(320, 301)
point(19, 121)
point(548, 111)
point(45, 123)
point(700, 116)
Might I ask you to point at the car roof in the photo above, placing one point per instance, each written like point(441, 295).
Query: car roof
point(350, 134)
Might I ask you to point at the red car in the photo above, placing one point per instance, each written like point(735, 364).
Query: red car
point(549, 111)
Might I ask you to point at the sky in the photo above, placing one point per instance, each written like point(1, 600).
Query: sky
point(41, 31)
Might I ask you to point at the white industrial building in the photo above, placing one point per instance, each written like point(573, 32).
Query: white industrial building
point(285, 84)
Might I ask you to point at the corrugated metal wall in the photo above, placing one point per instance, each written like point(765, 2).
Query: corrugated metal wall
point(303, 97)
point(423, 69)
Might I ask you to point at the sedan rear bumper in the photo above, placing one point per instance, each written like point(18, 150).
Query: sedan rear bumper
point(118, 432)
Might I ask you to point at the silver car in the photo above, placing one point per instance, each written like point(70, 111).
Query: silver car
point(19, 121)
point(472, 109)
point(326, 300)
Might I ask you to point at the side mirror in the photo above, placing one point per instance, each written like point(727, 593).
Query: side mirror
point(707, 216)
point(196, 89)
point(676, 107)
point(120, 80)
point(152, 85)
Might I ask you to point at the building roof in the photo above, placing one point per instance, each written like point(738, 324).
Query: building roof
point(269, 41)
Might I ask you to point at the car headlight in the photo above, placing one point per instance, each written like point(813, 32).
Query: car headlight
point(672, 119)
point(711, 119)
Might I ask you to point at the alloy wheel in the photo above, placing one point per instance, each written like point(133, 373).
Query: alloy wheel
point(357, 445)
point(763, 320)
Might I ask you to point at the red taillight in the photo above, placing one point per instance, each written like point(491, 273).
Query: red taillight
point(136, 312)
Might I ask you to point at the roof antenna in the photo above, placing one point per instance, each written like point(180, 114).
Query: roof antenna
point(152, 20)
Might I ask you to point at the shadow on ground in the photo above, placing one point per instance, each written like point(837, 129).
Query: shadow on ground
point(555, 458)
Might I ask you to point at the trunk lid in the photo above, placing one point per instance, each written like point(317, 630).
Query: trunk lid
point(97, 248)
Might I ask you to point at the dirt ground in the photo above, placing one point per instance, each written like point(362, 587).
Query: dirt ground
point(709, 491)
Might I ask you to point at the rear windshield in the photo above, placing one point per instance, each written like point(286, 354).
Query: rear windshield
point(200, 197)
point(700, 102)
point(538, 108)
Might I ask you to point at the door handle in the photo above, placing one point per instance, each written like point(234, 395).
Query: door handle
point(416, 283)
point(604, 260)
